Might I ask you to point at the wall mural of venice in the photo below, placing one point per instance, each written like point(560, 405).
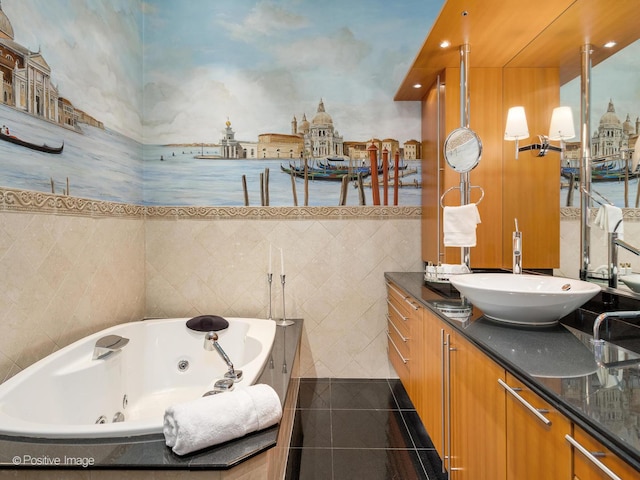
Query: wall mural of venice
point(215, 103)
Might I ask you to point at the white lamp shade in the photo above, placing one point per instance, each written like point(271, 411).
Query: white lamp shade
point(561, 127)
point(517, 127)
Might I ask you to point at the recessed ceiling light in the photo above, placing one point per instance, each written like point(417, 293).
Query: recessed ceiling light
point(444, 44)
point(610, 44)
point(417, 85)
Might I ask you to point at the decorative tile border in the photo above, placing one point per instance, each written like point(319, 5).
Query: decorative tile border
point(283, 213)
point(39, 202)
point(573, 213)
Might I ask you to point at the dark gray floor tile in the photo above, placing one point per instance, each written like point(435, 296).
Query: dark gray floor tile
point(312, 428)
point(417, 431)
point(359, 428)
point(376, 465)
point(362, 395)
point(401, 395)
point(310, 464)
point(314, 393)
point(369, 429)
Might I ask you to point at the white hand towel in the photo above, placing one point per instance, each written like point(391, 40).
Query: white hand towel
point(215, 419)
point(607, 219)
point(459, 225)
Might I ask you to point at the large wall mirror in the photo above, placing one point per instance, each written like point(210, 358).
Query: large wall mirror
point(615, 120)
point(615, 125)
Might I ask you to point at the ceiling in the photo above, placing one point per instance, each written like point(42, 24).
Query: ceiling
point(514, 33)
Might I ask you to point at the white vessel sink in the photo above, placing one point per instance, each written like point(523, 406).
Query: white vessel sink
point(632, 281)
point(536, 300)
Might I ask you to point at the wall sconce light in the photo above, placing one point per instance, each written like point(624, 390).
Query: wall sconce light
point(517, 127)
point(561, 128)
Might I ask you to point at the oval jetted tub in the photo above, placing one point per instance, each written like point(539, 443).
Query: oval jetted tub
point(69, 394)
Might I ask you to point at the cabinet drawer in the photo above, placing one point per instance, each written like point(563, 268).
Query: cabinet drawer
point(399, 299)
point(586, 468)
point(402, 324)
point(536, 447)
point(400, 363)
point(401, 342)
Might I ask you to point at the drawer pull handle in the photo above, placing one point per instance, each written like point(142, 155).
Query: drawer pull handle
point(402, 295)
point(404, 339)
point(592, 457)
point(412, 304)
point(404, 360)
point(530, 407)
point(397, 311)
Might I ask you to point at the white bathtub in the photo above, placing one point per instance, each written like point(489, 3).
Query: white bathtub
point(64, 394)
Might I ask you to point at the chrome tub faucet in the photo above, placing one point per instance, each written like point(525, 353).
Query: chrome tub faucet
point(211, 343)
point(107, 345)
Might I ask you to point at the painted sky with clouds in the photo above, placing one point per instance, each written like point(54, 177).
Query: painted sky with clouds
point(167, 71)
point(262, 62)
point(94, 49)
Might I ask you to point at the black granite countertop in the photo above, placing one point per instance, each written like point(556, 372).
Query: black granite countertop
point(558, 362)
point(150, 451)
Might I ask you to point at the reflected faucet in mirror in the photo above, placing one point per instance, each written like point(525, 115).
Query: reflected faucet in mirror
point(517, 249)
point(598, 343)
point(614, 243)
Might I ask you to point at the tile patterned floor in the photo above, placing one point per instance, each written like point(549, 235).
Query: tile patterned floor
point(359, 429)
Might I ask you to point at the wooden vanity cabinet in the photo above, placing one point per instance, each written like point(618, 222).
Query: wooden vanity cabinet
point(585, 468)
point(432, 410)
point(463, 406)
point(480, 418)
point(405, 338)
point(477, 413)
point(536, 445)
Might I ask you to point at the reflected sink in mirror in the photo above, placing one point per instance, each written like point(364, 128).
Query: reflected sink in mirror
point(524, 299)
point(632, 281)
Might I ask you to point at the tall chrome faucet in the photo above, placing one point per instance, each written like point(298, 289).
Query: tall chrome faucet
point(614, 243)
point(517, 249)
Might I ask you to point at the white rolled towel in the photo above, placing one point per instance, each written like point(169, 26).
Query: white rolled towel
point(215, 419)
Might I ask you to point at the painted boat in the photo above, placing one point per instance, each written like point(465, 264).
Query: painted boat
point(600, 174)
point(33, 146)
point(319, 174)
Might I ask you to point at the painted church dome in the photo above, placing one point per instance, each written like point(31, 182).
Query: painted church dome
point(610, 118)
point(6, 29)
point(322, 117)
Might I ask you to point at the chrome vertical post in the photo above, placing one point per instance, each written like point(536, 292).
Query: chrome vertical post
point(585, 164)
point(465, 188)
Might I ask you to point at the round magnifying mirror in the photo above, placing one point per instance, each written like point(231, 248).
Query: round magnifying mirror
point(462, 149)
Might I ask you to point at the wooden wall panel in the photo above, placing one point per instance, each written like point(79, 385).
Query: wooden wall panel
point(527, 188)
point(532, 192)
point(485, 92)
point(430, 172)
